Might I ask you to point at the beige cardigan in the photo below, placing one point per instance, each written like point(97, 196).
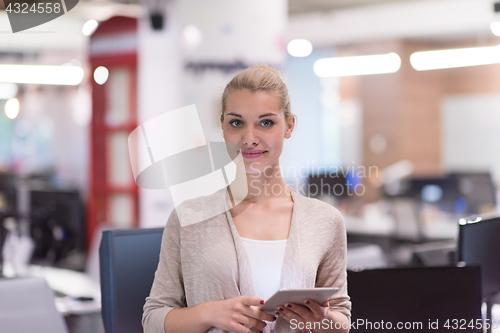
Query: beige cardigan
point(206, 261)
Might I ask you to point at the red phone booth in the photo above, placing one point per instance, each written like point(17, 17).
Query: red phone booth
point(113, 194)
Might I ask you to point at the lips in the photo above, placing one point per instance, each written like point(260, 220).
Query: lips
point(253, 153)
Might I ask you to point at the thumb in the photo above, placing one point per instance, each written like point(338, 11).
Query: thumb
point(325, 303)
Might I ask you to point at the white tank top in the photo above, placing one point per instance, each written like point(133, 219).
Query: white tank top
point(266, 261)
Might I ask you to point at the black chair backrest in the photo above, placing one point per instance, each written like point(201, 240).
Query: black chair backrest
point(416, 295)
point(478, 245)
point(128, 260)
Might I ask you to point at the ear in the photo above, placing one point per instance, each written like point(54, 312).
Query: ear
point(290, 125)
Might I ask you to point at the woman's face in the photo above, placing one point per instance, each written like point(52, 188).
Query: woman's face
point(256, 123)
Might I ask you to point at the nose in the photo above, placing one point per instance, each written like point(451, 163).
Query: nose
point(249, 138)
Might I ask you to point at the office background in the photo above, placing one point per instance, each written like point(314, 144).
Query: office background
point(418, 140)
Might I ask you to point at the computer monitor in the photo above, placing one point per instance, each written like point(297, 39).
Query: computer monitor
point(464, 193)
point(478, 190)
point(479, 244)
point(57, 225)
point(440, 191)
point(337, 184)
point(415, 297)
point(8, 194)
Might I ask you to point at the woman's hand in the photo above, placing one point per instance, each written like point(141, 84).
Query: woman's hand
point(233, 313)
point(310, 312)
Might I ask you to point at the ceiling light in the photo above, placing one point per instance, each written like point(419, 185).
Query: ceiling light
point(89, 27)
point(495, 28)
point(8, 90)
point(101, 75)
point(358, 65)
point(299, 48)
point(475, 56)
point(12, 108)
point(39, 74)
point(191, 37)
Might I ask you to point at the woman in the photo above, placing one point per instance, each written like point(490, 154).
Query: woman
point(214, 275)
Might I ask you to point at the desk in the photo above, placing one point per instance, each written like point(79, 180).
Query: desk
point(436, 230)
point(440, 230)
point(398, 245)
point(362, 226)
point(73, 284)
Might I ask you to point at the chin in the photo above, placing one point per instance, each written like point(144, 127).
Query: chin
point(253, 171)
point(252, 166)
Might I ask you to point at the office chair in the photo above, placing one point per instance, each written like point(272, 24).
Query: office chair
point(416, 295)
point(27, 305)
point(128, 260)
point(478, 245)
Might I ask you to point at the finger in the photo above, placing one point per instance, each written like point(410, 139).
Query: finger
point(252, 329)
point(301, 310)
point(239, 328)
point(255, 312)
point(245, 320)
point(262, 315)
point(315, 308)
point(255, 301)
point(288, 315)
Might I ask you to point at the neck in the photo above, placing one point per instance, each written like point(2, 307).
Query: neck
point(266, 186)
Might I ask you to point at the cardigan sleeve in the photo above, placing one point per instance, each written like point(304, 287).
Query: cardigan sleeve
point(332, 269)
point(167, 291)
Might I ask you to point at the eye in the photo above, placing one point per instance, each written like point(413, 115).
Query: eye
point(231, 122)
point(269, 122)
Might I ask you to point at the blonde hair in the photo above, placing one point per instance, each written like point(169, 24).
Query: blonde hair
point(258, 78)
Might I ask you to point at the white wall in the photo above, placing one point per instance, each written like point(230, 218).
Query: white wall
point(470, 133)
point(159, 91)
point(315, 139)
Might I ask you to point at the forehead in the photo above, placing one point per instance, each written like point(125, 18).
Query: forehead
point(245, 102)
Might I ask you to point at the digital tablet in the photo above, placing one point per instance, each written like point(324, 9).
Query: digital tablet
point(283, 296)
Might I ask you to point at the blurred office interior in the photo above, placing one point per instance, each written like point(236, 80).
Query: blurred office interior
point(406, 143)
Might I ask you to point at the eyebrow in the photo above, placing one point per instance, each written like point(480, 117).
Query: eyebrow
point(261, 116)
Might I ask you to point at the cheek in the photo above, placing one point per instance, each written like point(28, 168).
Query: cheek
point(228, 137)
point(277, 141)
point(278, 149)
